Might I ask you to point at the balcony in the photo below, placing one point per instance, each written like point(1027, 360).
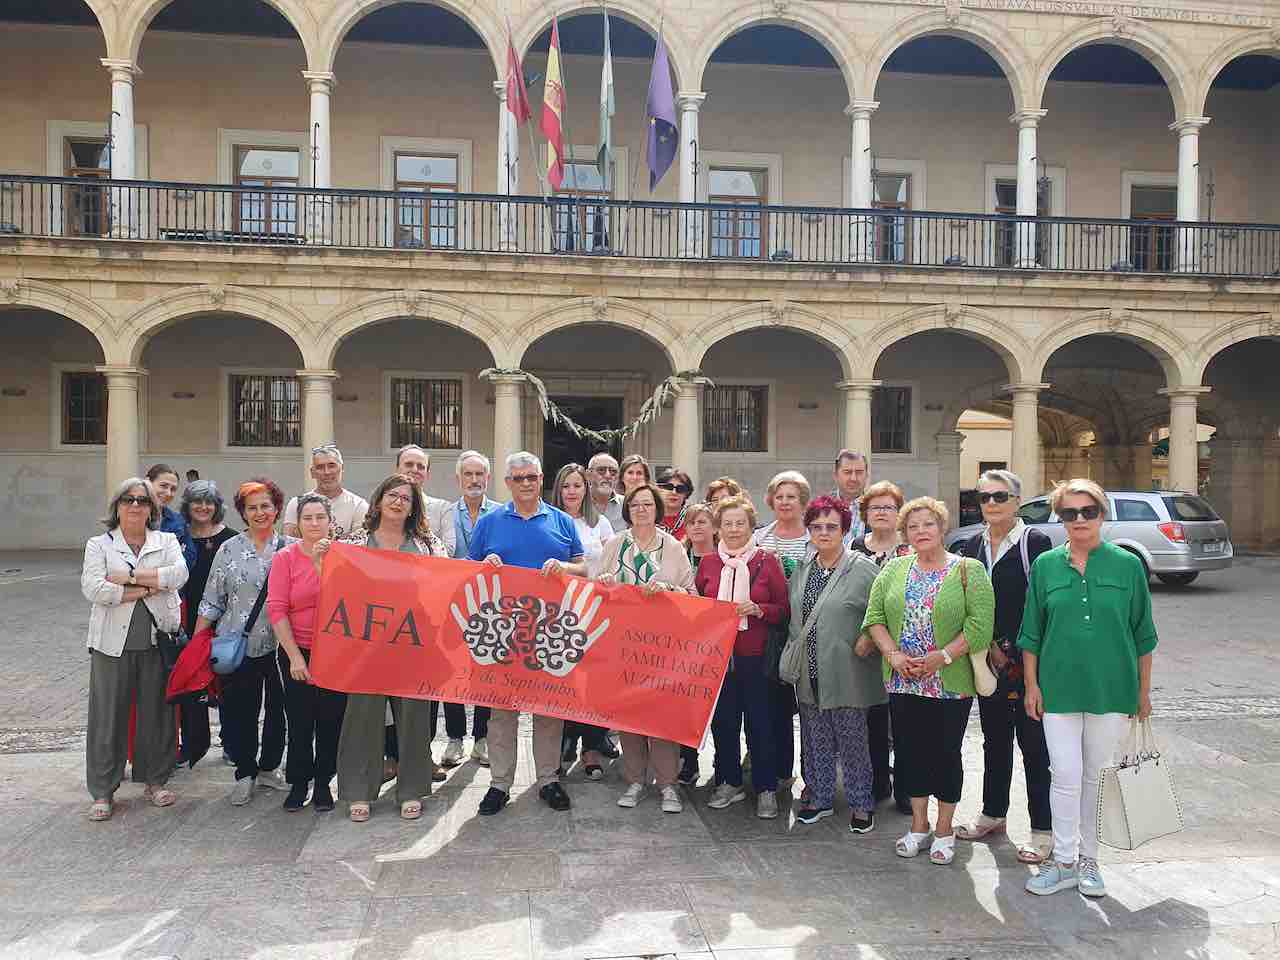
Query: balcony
point(152, 211)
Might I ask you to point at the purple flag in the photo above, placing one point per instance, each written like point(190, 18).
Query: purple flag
point(660, 112)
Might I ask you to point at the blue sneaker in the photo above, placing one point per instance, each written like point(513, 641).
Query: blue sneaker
point(1053, 877)
point(1091, 884)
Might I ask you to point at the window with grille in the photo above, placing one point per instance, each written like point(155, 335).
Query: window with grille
point(581, 220)
point(267, 213)
point(1007, 233)
point(84, 408)
point(426, 412)
point(891, 420)
point(735, 419)
point(266, 411)
point(892, 192)
point(739, 231)
point(1152, 247)
point(432, 220)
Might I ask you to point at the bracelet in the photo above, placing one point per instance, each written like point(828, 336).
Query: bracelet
point(946, 656)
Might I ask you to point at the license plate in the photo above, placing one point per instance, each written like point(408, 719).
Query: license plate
point(1214, 546)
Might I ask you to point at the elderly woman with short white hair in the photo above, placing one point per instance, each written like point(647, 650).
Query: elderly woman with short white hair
point(131, 576)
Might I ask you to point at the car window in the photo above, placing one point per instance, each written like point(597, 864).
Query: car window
point(1036, 511)
point(1135, 510)
point(1187, 507)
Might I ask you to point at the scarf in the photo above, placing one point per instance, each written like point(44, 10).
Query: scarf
point(735, 578)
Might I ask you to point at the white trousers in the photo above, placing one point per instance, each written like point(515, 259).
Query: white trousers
point(1080, 745)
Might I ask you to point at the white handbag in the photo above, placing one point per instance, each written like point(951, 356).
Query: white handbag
point(1136, 798)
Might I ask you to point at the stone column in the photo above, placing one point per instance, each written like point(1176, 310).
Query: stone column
point(123, 387)
point(689, 103)
point(320, 209)
point(1236, 474)
point(1024, 455)
point(686, 428)
point(124, 201)
point(317, 415)
point(861, 192)
point(507, 434)
point(1271, 493)
point(1184, 448)
point(1028, 185)
point(1188, 130)
point(508, 174)
point(857, 415)
point(949, 446)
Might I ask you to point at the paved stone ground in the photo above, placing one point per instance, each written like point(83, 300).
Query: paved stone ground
point(204, 879)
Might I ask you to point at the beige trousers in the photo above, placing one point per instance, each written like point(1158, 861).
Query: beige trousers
point(646, 759)
point(503, 748)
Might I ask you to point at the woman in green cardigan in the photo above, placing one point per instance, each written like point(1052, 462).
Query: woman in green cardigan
point(927, 612)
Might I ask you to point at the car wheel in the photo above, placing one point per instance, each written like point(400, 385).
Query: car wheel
point(1178, 579)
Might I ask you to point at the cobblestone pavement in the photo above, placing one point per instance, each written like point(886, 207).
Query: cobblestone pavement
point(204, 879)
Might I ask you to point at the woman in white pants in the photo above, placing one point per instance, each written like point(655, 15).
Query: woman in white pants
point(1087, 637)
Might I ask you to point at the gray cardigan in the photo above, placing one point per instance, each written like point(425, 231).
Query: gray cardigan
point(844, 678)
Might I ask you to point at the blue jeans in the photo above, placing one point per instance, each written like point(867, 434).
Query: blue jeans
point(746, 695)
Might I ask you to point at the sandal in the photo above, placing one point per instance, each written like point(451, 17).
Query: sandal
point(943, 850)
point(982, 828)
point(359, 812)
point(159, 796)
point(101, 810)
point(411, 810)
point(909, 844)
point(1038, 849)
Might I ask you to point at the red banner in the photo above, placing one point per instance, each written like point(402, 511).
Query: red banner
point(510, 638)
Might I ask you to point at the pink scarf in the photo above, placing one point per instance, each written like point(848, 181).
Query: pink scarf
point(735, 578)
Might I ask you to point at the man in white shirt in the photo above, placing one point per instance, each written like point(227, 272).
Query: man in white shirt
point(604, 489)
point(348, 508)
point(415, 464)
point(852, 473)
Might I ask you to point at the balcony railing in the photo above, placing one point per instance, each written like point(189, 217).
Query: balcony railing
point(482, 223)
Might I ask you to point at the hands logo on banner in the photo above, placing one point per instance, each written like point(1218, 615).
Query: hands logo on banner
point(553, 637)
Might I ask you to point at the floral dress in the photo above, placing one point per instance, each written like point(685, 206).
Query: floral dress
point(917, 631)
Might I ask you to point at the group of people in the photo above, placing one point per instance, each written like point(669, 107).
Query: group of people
point(852, 612)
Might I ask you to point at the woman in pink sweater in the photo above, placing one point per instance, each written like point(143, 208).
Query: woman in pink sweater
point(314, 714)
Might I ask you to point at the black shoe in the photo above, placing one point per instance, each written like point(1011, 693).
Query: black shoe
point(859, 825)
point(297, 798)
point(555, 796)
point(813, 814)
point(688, 776)
point(493, 802)
point(322, 799)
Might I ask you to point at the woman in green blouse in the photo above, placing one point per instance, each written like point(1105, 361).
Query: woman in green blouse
point(1086, 640)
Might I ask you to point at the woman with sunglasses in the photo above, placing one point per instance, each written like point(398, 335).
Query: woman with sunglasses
point(676, 487)
point(1087, 639)
point(1007, 547)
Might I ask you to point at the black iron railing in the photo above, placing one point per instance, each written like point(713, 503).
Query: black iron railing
point(487, 223)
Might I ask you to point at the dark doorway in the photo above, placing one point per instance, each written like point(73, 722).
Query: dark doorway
point(559, 446)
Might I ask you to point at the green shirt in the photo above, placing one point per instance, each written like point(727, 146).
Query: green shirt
point(1088, 631)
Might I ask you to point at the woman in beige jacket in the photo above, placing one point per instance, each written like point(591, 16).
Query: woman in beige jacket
point(648, 557)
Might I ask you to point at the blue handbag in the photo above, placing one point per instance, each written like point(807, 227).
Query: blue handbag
point(229, 646)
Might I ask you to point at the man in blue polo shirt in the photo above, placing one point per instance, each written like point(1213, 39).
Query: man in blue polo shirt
point(526, 533)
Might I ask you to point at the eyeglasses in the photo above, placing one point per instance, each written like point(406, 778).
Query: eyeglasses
point(136, 501)
point(821, 528)
point(1072, 514)
point(525, 478)
point(397, 497)
point(882, 508)
point(642, 505)
point(999, 496)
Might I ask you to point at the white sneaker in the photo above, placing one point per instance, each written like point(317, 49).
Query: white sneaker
point(480, 752)
point(452, 754)
point(767, 805)
point(243, 791)
point(724, 795)
point(272, 780)
point(671, 802)
point(631, 796)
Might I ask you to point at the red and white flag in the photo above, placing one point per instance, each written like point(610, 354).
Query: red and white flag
point(553, 111)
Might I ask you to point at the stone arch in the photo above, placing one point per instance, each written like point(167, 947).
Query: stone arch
point(481, 17)
point(1125, 32)
point(1246, 328)
point(1005, 341)
point(394, 304)
point(811, 20)
point(1164, 345)
point(1261, 41)
point(608, 310)
point(66, 303)
point(642, 13)
point(168, 308)
point(133, 26)
point(774, 315)
point(1003, 47)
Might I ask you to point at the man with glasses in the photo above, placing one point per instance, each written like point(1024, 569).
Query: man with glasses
point(604, 489)
point(415, 464)
point(348, 508)
point(852, 473)
point(527, 532)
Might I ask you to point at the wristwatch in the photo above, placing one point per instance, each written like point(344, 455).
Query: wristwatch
point(946, 656)
point(132, 582)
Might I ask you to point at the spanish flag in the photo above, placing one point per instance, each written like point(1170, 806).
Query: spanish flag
point(553, 111)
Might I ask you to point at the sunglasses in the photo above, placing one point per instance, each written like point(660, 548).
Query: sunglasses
point(1072, 514)
point(999, 496)
point(525, 478)
point(676, 489)
point(136, 501)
